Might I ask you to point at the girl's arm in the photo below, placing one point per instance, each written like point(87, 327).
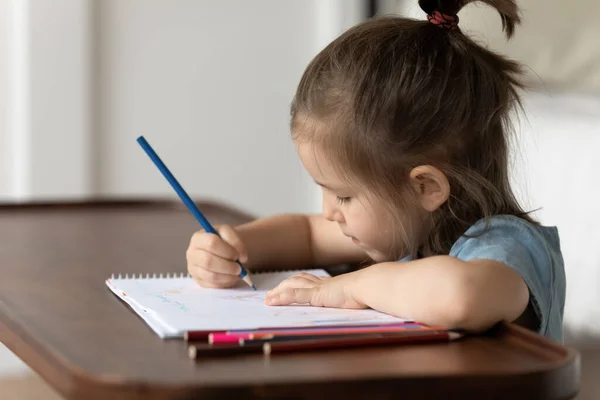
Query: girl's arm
point(441, 291)
point(297, 241)
point(444, 290)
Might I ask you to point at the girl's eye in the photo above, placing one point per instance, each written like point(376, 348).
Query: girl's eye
point(343, 200)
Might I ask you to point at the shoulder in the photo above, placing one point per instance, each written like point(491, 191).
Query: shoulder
point(531, 249)
point(507, 232)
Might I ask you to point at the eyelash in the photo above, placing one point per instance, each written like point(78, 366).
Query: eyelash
point(343, 200)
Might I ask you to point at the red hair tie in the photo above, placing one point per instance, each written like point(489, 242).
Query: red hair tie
point(443, 20)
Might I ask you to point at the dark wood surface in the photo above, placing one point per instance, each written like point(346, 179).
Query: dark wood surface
point(58, 316)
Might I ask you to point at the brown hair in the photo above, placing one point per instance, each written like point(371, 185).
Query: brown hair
point(395, 93)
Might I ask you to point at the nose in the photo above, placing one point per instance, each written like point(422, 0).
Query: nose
point(331, 211)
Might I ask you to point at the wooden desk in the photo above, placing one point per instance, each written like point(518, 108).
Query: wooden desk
point(58, 316)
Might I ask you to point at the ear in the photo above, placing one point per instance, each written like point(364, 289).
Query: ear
point(431, 185)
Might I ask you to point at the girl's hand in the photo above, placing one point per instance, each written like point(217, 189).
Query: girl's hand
point(211, 260)
point(317, 291)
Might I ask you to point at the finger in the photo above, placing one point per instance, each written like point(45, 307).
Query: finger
point(292, 296)
point(231, 236)
point(213, 244)
point(293, 282)
point(206, 284)
point(308, 276)
point(204, 260)
point(211, 285)
point(221, 280)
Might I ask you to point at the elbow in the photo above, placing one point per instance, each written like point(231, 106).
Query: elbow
point(463, 307)
point(459, 313)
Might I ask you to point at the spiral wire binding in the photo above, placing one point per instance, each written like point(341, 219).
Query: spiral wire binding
point(169, 275)
point(176, 275)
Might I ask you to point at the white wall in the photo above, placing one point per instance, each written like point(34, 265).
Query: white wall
point(45, 74)
point(5, 29)
point(208, 83)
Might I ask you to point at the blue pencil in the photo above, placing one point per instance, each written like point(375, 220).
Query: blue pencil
point(187, 200)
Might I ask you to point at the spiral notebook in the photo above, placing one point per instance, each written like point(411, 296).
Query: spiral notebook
point(174, 304)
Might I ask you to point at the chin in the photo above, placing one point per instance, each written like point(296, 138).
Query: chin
point(377, 256)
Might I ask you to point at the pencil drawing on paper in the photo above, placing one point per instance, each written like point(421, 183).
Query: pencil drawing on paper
point(247, 297)
point(180, 306)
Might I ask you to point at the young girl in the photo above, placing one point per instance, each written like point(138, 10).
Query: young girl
point(404, 124)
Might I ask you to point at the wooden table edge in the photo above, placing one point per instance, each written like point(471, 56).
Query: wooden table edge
point(206, 205)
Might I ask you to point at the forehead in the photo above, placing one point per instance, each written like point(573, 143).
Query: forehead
point(321, 152)
point(316, 162)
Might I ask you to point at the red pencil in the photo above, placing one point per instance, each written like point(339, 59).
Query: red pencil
point(308, 345)
point(232, 337)
point(228, 338)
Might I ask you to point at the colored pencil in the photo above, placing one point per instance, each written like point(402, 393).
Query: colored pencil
point(294, 338)
point(254, 345)
point(198, 335)
point(203, 334)
point(231, 337)
point(320, 344)
point(191, 205)
point(242, 340)
point(205, 350)
point(269, 347)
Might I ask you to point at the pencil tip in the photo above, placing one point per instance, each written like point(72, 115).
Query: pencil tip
point(248, 281)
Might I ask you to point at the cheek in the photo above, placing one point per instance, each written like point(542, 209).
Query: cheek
point(367, 227)
point(380, 232)
point(356, 217)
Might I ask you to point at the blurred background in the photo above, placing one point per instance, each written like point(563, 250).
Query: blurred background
point(209, 85)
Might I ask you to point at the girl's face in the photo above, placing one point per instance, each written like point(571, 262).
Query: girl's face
point(361, 219)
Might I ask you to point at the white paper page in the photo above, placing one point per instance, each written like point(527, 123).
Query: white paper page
point(147, 315)
point(180, 304)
